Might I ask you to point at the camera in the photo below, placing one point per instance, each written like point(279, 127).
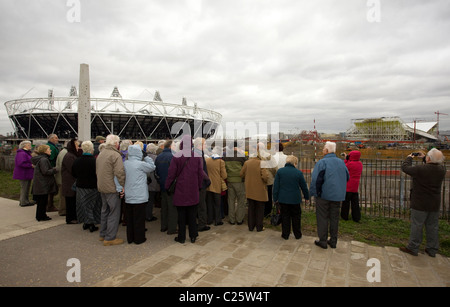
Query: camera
point(415, 154)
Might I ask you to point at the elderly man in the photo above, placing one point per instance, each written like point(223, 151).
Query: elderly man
point(53, 143)
point(110, 169)
point(425, 200)
point(328, 186)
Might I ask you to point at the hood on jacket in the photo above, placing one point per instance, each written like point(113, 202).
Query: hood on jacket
point(35, 160)
point(354, 155)
point(135, 152)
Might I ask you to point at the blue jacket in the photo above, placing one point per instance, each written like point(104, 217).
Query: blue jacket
point(329, 179)
point(162, 163)
point(136, 171)
point(287, 185)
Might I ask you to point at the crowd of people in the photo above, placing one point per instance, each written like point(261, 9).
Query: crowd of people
point(110, 182)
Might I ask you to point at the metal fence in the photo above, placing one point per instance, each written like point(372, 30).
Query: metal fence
point(384, 189)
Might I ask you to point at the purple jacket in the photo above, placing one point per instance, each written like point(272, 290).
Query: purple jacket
point(190, 180)
point(23, 169)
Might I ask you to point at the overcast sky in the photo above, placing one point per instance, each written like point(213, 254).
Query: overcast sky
point(286, 61)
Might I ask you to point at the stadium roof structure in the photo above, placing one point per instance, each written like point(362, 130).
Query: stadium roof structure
point(391, 129)
point(36, 118)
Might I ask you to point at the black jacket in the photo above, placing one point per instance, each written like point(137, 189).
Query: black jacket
point(83, 169)
point(426, 184)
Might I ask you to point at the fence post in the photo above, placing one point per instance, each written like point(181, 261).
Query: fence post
point(402, 191)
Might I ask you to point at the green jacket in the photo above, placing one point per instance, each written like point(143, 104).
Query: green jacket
point(233, 166)
point(54, 155)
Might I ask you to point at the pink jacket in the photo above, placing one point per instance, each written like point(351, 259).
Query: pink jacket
point(355, 168)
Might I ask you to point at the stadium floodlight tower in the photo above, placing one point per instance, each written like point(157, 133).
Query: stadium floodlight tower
point(84, 105)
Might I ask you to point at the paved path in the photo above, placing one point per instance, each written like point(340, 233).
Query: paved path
point(227, 255)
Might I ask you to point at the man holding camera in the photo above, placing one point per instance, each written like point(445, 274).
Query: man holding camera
point(425, 199)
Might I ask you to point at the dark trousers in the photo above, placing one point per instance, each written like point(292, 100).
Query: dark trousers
point(202, 210)
point(41, 206)
point(71, 209)
point(268, 204)
point(135, 222)
point(291, 214)
point(213, 201)
point(353, 200)
point(255, 214)
point(187, 215)
point(327, 214)
point(169, 214)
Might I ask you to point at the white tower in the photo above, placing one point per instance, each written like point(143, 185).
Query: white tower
point(84, 105)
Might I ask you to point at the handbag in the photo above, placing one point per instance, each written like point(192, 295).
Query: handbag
point(275, 218)
point(173, 185)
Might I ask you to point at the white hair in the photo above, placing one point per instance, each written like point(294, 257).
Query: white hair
point(50, 136)
point(124, 144)
point(152, 148)
point(331, 147)
point(23, 143)
point(436, 156)
point(101, 146)
point(292, 159)
point(112, 140)
point(87, 147)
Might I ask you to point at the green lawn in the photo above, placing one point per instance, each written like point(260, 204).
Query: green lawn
point(9, 188)
point(378, 231)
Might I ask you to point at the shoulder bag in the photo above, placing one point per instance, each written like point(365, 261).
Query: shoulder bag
point(173, 185)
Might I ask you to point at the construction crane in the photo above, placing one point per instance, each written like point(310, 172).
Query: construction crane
point(438, 113)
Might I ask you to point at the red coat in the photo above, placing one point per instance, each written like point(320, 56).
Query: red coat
point(355, 168)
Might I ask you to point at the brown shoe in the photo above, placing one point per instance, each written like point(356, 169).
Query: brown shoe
point(113, 242)
point(408, 251)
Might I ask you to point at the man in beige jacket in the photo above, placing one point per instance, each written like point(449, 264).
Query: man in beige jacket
point(217, 174)
point(256, 191)
point(110, 183)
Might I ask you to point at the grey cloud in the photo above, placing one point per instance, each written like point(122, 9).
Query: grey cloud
point(287, 61)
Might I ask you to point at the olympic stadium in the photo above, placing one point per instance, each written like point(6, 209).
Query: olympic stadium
point(36, 118)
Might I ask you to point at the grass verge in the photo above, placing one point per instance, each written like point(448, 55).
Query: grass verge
point(376, 231)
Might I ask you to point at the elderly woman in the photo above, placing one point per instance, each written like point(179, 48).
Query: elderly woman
point(286, 191)
point(88, 199)
point(68, 180)
point(44, 181)
point(23, 171)
point(136, 192)
point(124, 148)
point(188, 169)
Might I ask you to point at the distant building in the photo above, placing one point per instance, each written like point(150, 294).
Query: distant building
point(391, 129)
